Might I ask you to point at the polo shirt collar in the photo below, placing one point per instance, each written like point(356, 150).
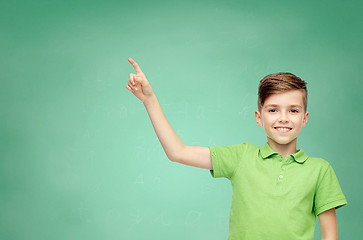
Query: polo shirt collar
point(300, 156)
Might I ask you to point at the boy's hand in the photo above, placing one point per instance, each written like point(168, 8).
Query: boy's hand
point(138, 83)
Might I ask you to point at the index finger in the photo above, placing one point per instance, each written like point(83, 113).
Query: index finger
point(135, 65)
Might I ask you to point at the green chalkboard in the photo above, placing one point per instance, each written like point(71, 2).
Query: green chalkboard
point(79, 158)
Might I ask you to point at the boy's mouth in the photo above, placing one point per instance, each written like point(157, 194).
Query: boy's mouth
point(283, 129)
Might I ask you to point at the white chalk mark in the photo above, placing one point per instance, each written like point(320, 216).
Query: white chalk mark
point(160, 219)
point(140, 180)
point(137, 218)
point(82, 210)
point(192, 218)
point(157, 181)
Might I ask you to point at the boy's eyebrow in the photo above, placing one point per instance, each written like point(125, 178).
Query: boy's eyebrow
point(275, 105)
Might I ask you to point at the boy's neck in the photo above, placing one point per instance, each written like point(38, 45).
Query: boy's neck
point(283, 149)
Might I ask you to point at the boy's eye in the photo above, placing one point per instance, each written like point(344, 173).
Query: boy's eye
point(272, 110)
point(294, 110)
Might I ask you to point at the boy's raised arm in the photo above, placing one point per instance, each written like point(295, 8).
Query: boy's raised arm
point(171, 143)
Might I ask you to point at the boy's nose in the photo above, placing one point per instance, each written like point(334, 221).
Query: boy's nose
point(283, 117)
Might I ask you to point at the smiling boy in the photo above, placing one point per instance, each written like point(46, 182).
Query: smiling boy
point(277, 190)
point(282, 104)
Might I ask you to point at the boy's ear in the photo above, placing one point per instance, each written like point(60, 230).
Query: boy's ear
point(258, 118)
point(305, 120)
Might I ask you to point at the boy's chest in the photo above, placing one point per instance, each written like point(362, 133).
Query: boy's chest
point(273, 178)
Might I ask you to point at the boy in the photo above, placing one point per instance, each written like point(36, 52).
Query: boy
point(277, 190)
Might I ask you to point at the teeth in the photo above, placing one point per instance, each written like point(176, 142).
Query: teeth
point(283, 129)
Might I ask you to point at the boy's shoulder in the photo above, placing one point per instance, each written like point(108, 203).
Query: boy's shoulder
point(318, 162)
point(244, 145)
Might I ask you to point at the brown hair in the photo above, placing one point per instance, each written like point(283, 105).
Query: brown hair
point(279, 83)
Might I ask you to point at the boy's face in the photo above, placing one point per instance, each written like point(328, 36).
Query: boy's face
point(282, 117)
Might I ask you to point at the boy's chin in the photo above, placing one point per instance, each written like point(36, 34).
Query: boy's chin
point(281, 142)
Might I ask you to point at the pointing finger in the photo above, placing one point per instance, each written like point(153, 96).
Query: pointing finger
point(135, 65)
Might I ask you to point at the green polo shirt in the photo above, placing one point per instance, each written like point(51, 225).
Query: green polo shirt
point(275, 198)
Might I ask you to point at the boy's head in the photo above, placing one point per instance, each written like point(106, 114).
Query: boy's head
point(282, 105)
point(279, 83)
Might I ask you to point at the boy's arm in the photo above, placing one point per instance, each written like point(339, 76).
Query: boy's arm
point(171, 143)
point(328, 225)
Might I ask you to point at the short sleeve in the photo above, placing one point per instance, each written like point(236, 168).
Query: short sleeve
point(328, 193)
point(226, 159)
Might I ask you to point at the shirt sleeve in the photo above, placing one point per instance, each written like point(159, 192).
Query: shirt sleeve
point(328, 193)
point(226, 159)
